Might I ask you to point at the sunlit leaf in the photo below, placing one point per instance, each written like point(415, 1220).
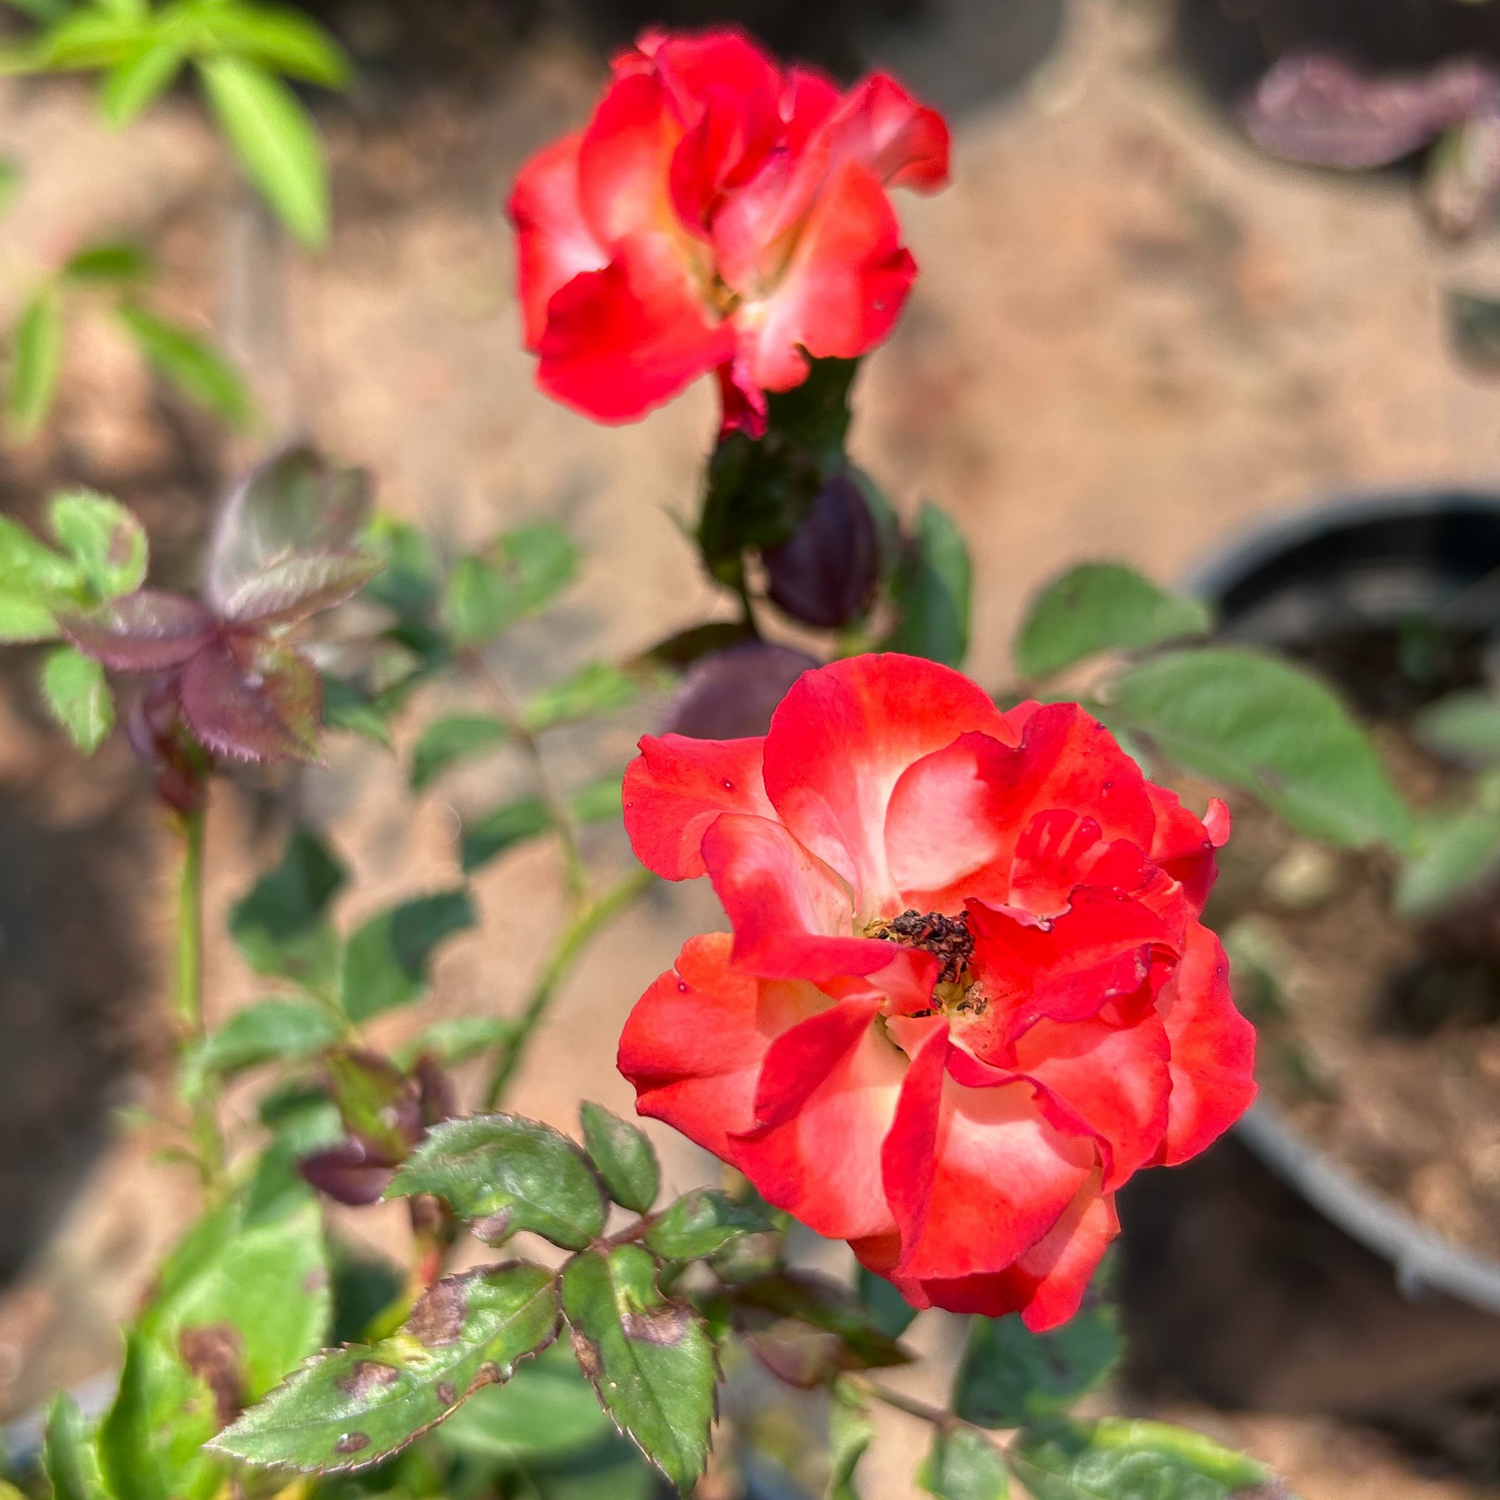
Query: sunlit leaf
point(276, 141)
point(355, 1406)
point(626, 1159)
point(35, 360)
point(264, 1031)
point(78, 697)
point(138, 80)
point(521, 574)
point(281, 39)
point(68, 1456)
point(505, 1174)
point(106, 541)
point(650, 1359)
point(1266, 726)
point(1101, 607)
point(192, 364)
point(701, 1222)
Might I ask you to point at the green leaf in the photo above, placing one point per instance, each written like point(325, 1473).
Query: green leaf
point(355, 1406)
point(601, 801)
point(281, 927)
point(850, 1433)
point(931, 590)
point(281, 39)
point(192, 364)
point(88, 39)
point(626, 1159)
point(963, 1465)
point(1010, 1376)
point(264, 1280)
point(106, 541)
point(264, 1031)
point(1453, 851)
point(447, 741)
point(276, 141)
point(1102, 607)
point(107, 262)
point(524, 571)
point(68, 1456)
point(458, 1039)
point(496, 831)
point(1463, 726)
point(547, 1411)
point(35, 360)
point(34, 580)
point(375, 1098)
point(140, 79)
point(1125, 1460)
point(78, 697)
point(650, 1359)
point(891, 1313)
point(598, 688)
point(1259, 723)
point(385, 964)
point(150, 1441)
point(505, 1174)
point(701, 1222)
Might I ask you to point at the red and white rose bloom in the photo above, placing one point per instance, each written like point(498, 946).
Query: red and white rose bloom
point(717, 213)
point(967, 992)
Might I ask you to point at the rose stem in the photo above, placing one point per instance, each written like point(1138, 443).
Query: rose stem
point(191, 1028)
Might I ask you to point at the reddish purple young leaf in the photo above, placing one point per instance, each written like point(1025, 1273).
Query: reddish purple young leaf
point(349, 1173)
point(254, 699)
point(142, 632)
point(298, 586)
point(297, 503)
point(1325, 112)
point(732, 694)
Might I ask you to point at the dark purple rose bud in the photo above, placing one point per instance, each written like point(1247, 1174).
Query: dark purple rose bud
point(825, 574)
point(731, 694)
point(351, 1172)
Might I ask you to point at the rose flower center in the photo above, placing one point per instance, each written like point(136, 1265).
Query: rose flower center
point(947, 938)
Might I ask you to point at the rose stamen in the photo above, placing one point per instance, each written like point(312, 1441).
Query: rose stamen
point(947, 938)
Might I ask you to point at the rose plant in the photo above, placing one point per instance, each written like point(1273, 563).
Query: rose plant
point(966, 992)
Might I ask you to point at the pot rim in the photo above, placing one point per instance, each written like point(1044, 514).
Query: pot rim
point(1425, 1261)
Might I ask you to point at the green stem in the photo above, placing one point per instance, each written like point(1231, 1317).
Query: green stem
point(585, 925)
point(189, 998)
point(924, 1412)
point(576, 871)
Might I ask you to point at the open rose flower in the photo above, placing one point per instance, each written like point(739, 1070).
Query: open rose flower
point(717, 213)
point(967, 993)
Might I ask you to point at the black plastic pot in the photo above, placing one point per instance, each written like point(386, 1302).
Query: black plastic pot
point(1373, 559)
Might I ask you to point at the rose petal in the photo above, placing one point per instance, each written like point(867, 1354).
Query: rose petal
point(553, 240)
point(677, 787)
point(624, 339)
point(842, 739)
point(903, 143)
point(1213, 1049)
point(842, 290)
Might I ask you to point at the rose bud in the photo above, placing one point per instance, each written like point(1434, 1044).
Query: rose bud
point(733, 693)
point(825, 574)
